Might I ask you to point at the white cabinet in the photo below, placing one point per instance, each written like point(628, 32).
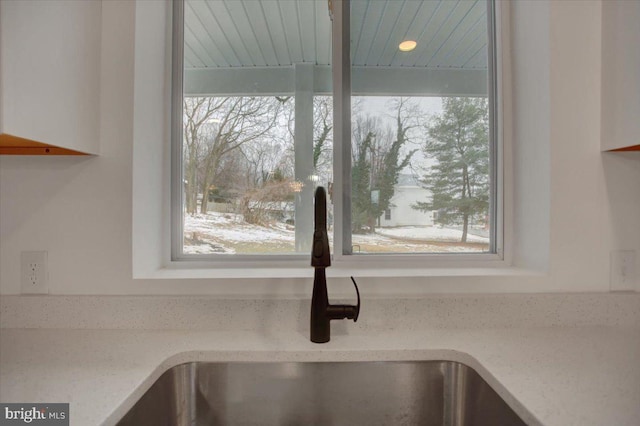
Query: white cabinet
point(620, 75)
point(50, 74)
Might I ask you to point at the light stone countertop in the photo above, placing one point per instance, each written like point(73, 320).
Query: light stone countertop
point(550, 375)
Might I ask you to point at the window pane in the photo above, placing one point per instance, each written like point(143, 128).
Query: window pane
point(420, 127)
point(256, 141)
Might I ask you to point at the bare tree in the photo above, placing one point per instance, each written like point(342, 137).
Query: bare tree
point(322, 136)
point(378, 157)
point(198, 113)
point(262, 159)
point(218, 127)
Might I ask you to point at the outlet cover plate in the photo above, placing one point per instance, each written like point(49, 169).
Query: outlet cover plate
point(34, 274)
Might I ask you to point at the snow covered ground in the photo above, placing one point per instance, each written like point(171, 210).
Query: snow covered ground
point(429, 233)
point(228, 233)
point(222, 232)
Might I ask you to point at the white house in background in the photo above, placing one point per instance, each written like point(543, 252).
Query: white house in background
point(400, 213)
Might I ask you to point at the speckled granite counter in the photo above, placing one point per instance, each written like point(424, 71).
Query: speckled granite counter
point(552, 375)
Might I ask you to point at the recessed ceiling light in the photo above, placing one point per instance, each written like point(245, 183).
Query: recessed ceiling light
point(407, 45)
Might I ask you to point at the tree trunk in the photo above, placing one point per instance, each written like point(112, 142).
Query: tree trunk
point(465, 227)
point(205, 196)
point(191, 190)
point(190, 198)
point(206, 182)
point(372, 224)
point(465, 194)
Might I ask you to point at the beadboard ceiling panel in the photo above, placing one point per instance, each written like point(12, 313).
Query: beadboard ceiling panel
point(451, 34)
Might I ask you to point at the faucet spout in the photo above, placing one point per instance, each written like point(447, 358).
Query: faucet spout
point(320, 325)
point(321, 311)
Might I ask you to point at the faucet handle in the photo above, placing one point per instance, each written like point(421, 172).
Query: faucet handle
point(357, 311)
point(345, 311)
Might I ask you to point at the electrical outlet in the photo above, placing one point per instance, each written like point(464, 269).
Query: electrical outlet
point(35, 276)
point(623, 270)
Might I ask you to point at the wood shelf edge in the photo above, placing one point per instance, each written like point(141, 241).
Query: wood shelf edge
point(15, 145)
point(626, 148)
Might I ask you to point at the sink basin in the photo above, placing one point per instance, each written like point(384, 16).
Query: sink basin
point(323, 393)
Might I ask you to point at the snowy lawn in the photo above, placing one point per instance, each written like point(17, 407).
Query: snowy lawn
point(429, 233)
point(228, 233)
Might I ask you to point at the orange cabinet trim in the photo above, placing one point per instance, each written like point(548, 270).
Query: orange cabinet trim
point(14, 145)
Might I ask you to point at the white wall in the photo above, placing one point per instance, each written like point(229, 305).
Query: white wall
point(402, 214)
point(80, 209)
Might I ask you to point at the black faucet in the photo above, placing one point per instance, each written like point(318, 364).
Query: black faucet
point(321, 311)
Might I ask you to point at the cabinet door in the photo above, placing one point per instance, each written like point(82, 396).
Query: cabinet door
point(50, 58)
point(620, 75)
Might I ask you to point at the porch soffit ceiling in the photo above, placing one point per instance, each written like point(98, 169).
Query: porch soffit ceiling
point(223, 34)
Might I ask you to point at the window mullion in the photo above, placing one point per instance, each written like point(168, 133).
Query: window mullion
point(494, 159)
point(342, 127)
point(177, 93)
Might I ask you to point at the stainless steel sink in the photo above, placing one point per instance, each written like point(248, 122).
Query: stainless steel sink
point(334, 393)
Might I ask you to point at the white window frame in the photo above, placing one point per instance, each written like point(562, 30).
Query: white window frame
point(344, 263)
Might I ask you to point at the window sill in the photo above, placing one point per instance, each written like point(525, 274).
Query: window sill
point(176, 270)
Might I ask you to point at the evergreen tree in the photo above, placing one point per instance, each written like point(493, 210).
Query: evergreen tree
point(459, 181)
